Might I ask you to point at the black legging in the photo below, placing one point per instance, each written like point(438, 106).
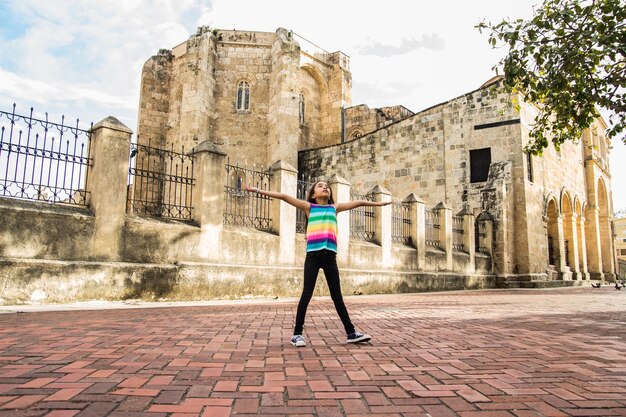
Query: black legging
point(326, 260)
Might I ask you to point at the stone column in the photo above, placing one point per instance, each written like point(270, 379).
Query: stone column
point(284, 180)
point(341, 194)
point(208, 197)
point(487, 220)
point(561, 267)
point(570, 223)
point(107, 186)
point(469, 241)
point(283, 120)
point(382, 223)
point(418, 228)
point(582, 247)
point(445, 231)
point(594, 252)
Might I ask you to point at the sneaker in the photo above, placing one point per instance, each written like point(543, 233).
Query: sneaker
point(298, 340)
point(357, 337)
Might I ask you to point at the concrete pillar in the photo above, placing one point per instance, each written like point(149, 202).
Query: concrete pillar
point(208, 197)
point(608, 251)
point(445, 231)
point(382, 223)
point(469, 241)
point(284, 180)
point(418, 228)
point(106, 183)
point(341, 194)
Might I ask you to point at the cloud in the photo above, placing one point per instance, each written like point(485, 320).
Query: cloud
point(433, 42)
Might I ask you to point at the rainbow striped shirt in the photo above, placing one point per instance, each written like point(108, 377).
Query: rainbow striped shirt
point(321, 232)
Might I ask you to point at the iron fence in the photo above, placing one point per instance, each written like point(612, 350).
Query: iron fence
point(160, 182)
point(480, 234)
point(44, 161)
point(362, 218)
point(401, 223)
point(243, 208)
point(302, 189)
point(457, 234)
point(432, 228)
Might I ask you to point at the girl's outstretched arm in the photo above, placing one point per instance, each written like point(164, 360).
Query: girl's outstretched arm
point(301, 204)
point(358, 203)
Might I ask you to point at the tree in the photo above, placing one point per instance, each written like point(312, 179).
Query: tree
point(568, 60)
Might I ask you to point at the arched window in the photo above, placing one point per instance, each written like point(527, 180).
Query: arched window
point(356, 134)
point(301, 108)
point(243, 96)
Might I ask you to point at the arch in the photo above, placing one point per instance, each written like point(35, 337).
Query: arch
point(552, 216)
point(564, 194)
point(548, 198)
point(317, 74)
point(355, 134)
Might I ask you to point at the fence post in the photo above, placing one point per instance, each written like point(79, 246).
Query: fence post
point(107, 180)
point(488, 242)
point(469, 242)
point(445, 231)
point(382, 223)
point(284, 180)
point(418, 228)
point(341, 194)
point(208, 197)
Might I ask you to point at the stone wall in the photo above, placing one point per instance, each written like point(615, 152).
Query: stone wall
point(62, 253)
point(361, 120)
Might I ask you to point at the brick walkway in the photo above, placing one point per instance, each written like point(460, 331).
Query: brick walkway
point(482, 353)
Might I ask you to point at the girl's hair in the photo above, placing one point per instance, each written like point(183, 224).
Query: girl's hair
point(310, 198)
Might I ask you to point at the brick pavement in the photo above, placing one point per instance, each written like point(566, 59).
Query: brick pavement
point(481, 353)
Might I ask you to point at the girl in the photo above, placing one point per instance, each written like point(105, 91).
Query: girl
point(321, 250)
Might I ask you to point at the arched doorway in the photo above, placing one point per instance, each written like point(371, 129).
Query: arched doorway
point(552, 216)
point(570, 238)
point(580, 231)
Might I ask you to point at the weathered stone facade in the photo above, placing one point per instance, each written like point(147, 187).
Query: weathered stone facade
point(619, 230)
point(553, 212)
point(191, 94)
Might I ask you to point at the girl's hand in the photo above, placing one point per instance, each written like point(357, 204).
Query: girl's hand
point(384, 203)
point(250, 189)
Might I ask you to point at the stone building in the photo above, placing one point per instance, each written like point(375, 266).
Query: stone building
point(262, 97)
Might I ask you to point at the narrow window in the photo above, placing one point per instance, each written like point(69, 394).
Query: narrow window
point(301, 107)
point(243, 96)
point(480, 159)
point(529, 165)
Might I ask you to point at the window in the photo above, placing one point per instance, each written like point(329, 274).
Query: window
point(357, 134)
point(243, 96)
point(480, 159)
point(529, 165)
point(301, 108)
point(623, 252)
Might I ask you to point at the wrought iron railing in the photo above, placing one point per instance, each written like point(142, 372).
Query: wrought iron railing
point(303, 186)
point(432, 228)
point(480, 234)
point(242, 208)
point(44, 161)
point(160, 182)
point(457, 234)
point(401, 223)
point(362, 218)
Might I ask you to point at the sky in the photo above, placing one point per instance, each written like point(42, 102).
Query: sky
point(83, 58)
